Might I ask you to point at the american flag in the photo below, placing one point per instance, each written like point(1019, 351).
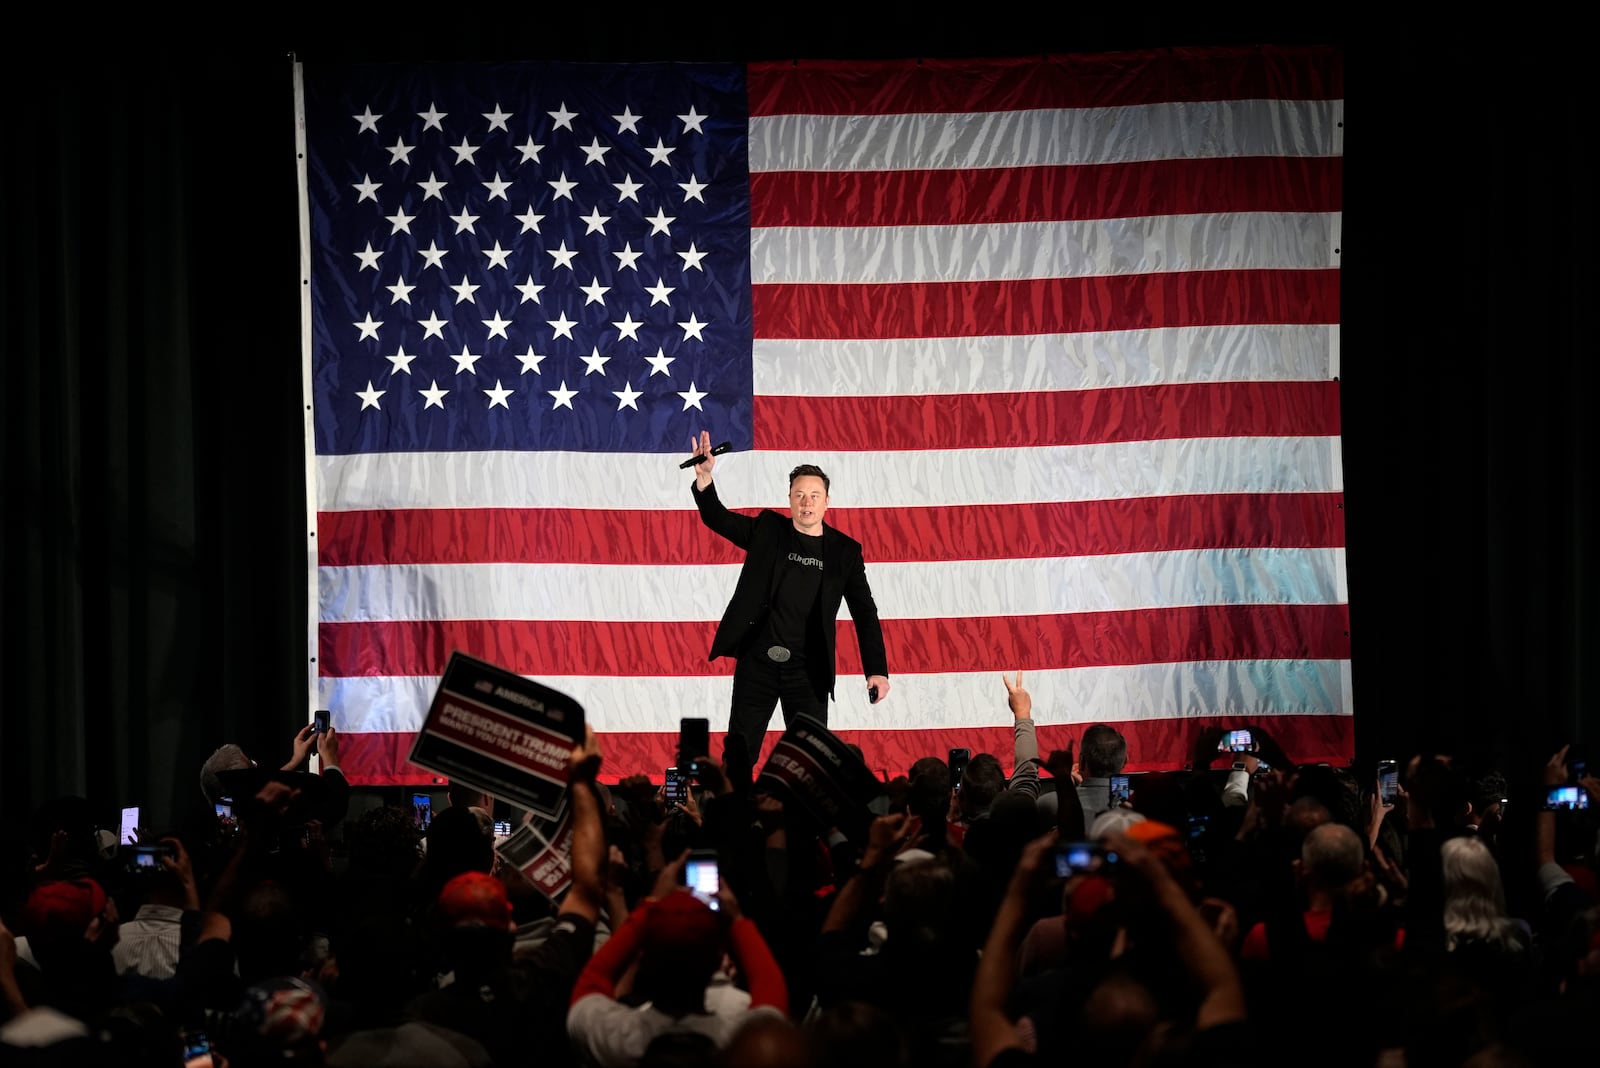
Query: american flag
point(1063, 330)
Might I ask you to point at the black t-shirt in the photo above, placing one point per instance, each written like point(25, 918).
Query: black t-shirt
point(795, 599)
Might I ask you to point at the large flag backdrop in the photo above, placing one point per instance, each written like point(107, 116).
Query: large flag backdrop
point(1063, 331)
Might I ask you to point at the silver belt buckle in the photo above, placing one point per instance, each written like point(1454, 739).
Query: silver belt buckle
point(778, 654)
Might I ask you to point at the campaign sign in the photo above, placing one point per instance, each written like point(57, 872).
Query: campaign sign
point(504, 734)
point(814, 768)
point(542, 850)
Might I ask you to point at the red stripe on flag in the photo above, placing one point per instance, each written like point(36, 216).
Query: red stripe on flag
point(1043, 194)
point(1046, 305)
point(1035, 419)
point(976, 643)
point(890, 87)
point(957, 532)
point(379, 759)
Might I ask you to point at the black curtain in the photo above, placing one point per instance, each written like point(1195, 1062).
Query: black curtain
point(155, 552)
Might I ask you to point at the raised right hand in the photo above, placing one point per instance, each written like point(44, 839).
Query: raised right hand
point(701, 446)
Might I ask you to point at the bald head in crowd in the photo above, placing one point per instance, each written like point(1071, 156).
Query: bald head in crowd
point(1332, 856)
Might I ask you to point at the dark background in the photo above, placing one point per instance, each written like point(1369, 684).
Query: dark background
point(154, 585)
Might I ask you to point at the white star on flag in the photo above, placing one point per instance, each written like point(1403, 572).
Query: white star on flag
point(659, 363)
point(433, 255)
point(465, 290)
point(595, 363)
point(496, 256)
point(400, 152)
point(626, 257)
point(692, 397)
point(563, 326)
point(529, 291)
point(693, 120)
point(628, 189)
point(367, 188)
point(369, 121)
point(693, 328)
point(531, 361)
point(466, 152)
point(369, 258)
point(497, 326)
point(660, 292)
point(368, 327)
point(497, 118)
point(626, 121)
point(563, 118)
point(498, 395)
point(369, 396)
point(401, 291)
point(561, 256)
point(563, 396)
point(660, 222)
point(433, 326)
point(628, 328)
point(627, 397)
point(401, 360)
point(465, 360)
point(497, 187)
point(400, 221)
point(433, 118)
point(435, 396)
point(660, 153)
point(692, 258)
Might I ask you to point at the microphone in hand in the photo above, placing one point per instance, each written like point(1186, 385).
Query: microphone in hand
point(700, 457)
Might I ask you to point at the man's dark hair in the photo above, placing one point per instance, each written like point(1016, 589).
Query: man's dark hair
point(982, 782)
point(814, 470)
point(1104, 752)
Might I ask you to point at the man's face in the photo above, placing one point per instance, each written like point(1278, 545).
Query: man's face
point(808, 503)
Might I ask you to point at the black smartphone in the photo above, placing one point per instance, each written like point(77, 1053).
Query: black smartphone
point(702, 876)
point(1577, 769)
point(227, 822)
point(1081, 858)
point(129, 829)
point(959, 758)
point(1236, 742)
point(1566, 799)
point(1121, 791)
point(502, 828)
point(146, 859)
point(422, 809)
point(320, 720)
point(694, 742)
point(1388, 782)
point(196, 1047)
point(677, 786)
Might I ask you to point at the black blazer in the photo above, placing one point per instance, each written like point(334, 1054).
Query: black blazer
point(765, 538)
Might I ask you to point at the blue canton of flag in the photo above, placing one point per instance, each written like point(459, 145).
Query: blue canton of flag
point(529, 257)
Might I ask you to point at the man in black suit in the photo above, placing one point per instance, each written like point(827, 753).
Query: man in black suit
point(779, 625)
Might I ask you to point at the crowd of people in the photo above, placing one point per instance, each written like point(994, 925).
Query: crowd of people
point(1247, 907)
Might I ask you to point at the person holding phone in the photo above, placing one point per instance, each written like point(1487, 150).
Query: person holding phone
point(779, 624)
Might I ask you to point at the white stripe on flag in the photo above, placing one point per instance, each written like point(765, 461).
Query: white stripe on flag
point(1150, 244)
point(1040, 137)
point(648, 481)
point(955, 588)
point(1238, 688)
point(1044, 362)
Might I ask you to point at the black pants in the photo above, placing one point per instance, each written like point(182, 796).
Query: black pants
point(758, 687)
